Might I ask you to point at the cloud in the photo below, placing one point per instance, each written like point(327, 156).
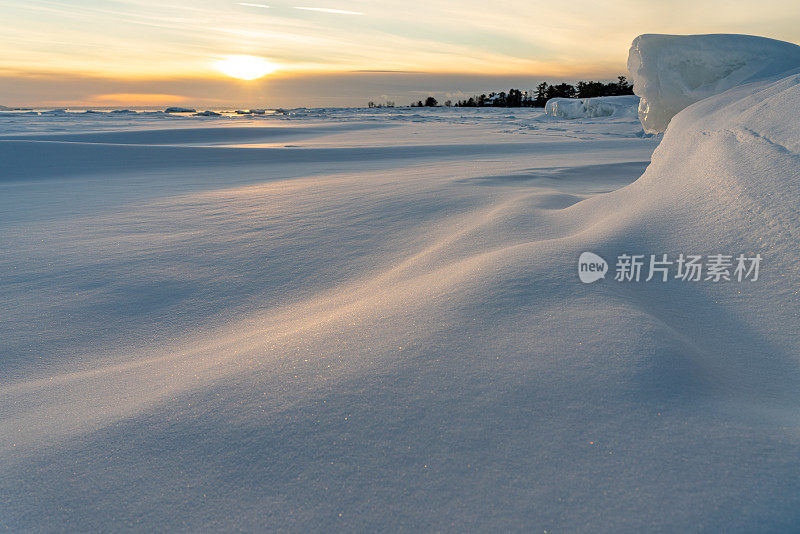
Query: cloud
point(328, 10)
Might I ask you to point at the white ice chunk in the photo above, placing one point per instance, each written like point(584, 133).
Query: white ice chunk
point(588, 108)
point(671, 72)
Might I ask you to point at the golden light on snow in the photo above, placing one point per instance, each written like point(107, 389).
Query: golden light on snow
point(244, 67)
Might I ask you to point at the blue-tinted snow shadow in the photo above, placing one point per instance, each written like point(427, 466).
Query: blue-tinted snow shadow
point(605, 177)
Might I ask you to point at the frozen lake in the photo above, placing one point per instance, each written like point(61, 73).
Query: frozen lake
point(372, 320)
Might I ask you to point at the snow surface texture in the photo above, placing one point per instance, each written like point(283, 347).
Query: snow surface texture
point(671, 72)
point(605, 106)
point(372, 321)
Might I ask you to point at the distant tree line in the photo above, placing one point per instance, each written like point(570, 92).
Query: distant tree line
point(537, 99)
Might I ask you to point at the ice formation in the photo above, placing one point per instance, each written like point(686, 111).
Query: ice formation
point(589, 108)
point(671, 72)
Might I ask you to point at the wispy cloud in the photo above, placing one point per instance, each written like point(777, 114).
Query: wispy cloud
point(328, 10)
point(151, 39)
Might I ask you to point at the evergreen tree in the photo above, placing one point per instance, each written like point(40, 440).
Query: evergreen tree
point(541, 95)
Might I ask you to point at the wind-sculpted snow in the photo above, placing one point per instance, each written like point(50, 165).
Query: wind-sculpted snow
point(591, 108)
point(671, 72)
point(291, 340)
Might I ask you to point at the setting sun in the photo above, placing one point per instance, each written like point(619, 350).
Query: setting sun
point(244, 67)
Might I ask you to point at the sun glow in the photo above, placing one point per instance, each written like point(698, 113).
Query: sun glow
point(244, 67)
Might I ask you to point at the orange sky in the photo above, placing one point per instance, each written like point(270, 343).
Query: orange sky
point(344, 52)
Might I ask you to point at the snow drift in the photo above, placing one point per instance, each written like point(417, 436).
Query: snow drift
point(726, 177)
point(590, 108)
point(671, 72)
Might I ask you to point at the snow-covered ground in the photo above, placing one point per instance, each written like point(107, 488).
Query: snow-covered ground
point(372, 320)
